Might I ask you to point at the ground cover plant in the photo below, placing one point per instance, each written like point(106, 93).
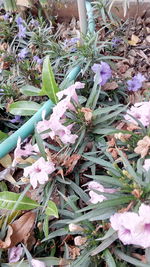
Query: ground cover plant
point(77, 191)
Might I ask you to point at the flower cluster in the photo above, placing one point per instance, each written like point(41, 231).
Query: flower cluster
point(133, 228)
point(55, 124)
point(95, 198)
point(140, 111)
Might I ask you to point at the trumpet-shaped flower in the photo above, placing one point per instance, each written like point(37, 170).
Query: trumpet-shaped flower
point(103, 72)
point(133, 228)
point(70, 93)
point(140, 111)
point(95, 198)
point(136, 83)
point(39, 171)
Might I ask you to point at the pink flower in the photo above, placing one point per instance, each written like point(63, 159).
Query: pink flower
point(140, 111)
point(70, 93)
point(146, 165)
point(133, 228)
point(37, 263)
point(57, 119)
point(25, 152)
point(43, 126)
point(95, 198)
point(125, 224)
point(15, 253)
point(39, 171)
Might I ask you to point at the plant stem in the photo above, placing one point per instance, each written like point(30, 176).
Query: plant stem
point(82, 17)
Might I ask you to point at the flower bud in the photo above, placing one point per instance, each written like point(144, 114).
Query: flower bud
point(79, 240)
point(75, 228)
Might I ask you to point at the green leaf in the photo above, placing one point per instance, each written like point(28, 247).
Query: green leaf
point(9, 199)
point(51, 209)
point(129, 259)
point(24, 108)
point(40, 143)
point(3, 136)
point(106, 179)
point(49, 84)
point(109, 259)
point(30, 90)
point(105, 244)
point(59, 232)
point(109, 233)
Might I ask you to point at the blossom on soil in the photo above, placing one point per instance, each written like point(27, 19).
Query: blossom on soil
point(102, 71)
point(140, 111)
point(37, 263)
point(136, 83)
point(95, 198)
point(146, 165)
point(39, 171)
point(133, 228)
point(14, 253)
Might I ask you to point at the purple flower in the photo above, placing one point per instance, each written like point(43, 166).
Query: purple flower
point(34, 22)
point(6, 16)
point(102, 71)
point(115, 42)
point(23, 53)
point(14, 253)
point(37, 60)
point(19, 20)
point(22, 31)
point(17, 119)
point(136, 83)
point(2, 90)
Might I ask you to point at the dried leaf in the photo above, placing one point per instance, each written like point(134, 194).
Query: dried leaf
point(7, 242)
point(71, 162)
point(19, 230)
point(110, 86)
point(6, 161)
point(134, 40)
point(22, 227)
point(25, 3)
